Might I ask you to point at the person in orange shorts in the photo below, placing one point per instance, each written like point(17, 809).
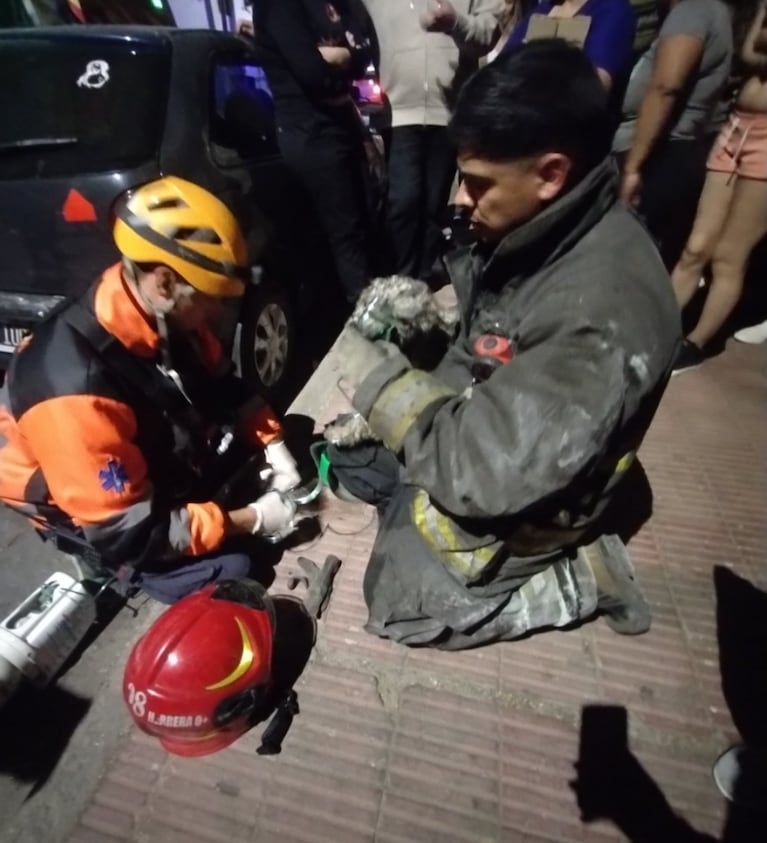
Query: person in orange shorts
point(732, 212)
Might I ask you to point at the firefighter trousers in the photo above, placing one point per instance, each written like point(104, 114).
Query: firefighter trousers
point(414, 598)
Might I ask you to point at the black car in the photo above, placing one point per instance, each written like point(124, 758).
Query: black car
point(91, 112)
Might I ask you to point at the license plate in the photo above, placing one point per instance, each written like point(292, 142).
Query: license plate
point(10, 337)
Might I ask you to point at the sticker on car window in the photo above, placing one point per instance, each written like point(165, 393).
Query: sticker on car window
point(96, 74)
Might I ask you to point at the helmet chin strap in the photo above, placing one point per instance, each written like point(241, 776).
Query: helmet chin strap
point(160, 315)
point(162, 333)
point(166, 365)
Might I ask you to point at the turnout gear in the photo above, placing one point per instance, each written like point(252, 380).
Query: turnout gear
point(360, 357)
point(174, 222)
point(402, 310)
point(504, 478)
point(201, 675)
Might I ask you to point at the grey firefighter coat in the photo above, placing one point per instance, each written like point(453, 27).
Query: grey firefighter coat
point(504, 477)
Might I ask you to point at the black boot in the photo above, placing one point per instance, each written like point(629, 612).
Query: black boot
point(619, 598)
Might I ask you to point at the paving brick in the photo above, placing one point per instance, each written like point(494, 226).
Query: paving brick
point(120, 796)
point(414, 818)
point(287, 826)
point(451, 742)
point(145, 753)
point(480, 665)
point(517, 819)
point(88, 835)
point(157, 830)
point(196, 821)
point(547, 834)
point(334, 800)
point(362, 646)
point(345, 759)
point(115, 822)
point(220, 804)
point(134, 776)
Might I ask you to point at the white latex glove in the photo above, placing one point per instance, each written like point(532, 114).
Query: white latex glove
point(275, 515)
point(285, 474)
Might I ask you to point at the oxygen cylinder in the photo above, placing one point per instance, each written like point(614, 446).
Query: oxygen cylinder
point(40, 634)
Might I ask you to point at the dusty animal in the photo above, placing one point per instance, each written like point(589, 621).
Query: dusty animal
point(349, 430)
point(403, 311)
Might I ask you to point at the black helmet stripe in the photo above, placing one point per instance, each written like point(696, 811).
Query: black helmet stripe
point(173, 247)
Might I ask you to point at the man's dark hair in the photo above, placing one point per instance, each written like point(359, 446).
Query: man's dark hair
point(544, 96)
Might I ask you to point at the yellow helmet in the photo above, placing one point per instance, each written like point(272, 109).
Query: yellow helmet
point(176, 223)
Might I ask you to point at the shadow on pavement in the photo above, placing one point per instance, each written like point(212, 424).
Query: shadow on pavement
point(35, 727)
point(612, 784)
point(631, 506)
point(295, 632)
point(741, 618)
point(294, 640)
point(741, 621)
point(109, 603)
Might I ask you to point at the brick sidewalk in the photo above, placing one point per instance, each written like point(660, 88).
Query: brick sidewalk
point(402, 746)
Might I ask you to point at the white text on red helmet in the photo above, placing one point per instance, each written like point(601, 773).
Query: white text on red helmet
point(176, 721)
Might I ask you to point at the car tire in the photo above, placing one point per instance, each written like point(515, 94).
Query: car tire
point(267, 339)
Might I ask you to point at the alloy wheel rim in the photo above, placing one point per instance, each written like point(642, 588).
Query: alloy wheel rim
point(270, 346)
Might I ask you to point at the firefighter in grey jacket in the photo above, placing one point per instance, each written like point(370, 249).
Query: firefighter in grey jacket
point(500, 461)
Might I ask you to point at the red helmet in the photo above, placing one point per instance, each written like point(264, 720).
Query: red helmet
point(203, 669)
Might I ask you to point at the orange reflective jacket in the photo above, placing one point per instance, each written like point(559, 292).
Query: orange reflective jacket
point(78, 442)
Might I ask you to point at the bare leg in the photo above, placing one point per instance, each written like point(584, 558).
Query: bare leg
point(710, 219)
point(745, 227)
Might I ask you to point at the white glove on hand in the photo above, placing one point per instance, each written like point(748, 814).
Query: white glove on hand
point(285, 474)
point(274, 515)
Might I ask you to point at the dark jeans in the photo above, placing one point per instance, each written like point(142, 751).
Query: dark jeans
point(181, 580)
point(421, 170)
point(672, 181)
point(327, 156)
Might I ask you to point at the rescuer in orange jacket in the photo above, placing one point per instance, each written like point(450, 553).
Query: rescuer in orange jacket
point(119, 411)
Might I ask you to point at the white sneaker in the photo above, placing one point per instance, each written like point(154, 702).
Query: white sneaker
point(754, 334)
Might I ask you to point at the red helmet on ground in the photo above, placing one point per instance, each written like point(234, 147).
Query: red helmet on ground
point(203, 669)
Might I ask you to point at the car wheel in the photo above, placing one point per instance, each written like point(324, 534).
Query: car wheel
point(267, 338)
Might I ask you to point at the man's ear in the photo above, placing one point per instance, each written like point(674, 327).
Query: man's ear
point(165, 283)
point(553, 170)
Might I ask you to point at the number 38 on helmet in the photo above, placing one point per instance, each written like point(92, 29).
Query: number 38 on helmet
point(202, 674)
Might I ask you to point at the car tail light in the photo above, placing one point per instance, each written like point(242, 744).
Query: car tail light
point(77, 208)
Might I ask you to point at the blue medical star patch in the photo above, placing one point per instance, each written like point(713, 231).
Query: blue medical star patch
point(114, 477)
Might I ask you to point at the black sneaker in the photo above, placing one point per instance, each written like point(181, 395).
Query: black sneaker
point(689, 356)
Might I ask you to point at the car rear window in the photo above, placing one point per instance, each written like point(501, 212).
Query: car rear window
point(73, 107)
point(242, 113)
